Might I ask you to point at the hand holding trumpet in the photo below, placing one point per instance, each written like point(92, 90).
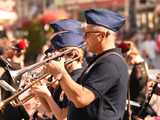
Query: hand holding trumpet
point(56, 68)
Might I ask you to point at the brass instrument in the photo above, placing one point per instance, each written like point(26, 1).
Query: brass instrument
point(16, 73)
point(6, 101)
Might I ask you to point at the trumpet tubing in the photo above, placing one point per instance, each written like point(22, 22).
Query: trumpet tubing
point(38, 77)
point(14, 74)
point(27, 98)
point(13, 97)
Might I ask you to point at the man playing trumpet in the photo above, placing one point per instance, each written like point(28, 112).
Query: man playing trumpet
point(72, 39)
point(101, 91)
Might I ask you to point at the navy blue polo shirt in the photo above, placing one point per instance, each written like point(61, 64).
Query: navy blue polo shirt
point(62, 104)
point(56, 94)
point(108, 79)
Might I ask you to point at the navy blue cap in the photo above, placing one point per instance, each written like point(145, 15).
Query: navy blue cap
point(65, 39)
point(68, 25)
point(105, 18)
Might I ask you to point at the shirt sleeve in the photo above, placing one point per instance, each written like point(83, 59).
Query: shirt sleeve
point(102, 77)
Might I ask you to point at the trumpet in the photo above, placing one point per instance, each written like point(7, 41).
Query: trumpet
point(16, 73)
point(8, 100)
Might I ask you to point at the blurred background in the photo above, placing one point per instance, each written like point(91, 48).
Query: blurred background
point(28, 20)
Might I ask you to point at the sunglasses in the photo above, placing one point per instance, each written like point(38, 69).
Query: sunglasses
point(96, 33)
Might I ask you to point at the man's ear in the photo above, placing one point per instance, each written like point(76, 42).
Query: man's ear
point(107, 34)
point(102, 36)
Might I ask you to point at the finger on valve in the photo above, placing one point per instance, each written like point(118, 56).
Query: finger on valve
point(55, 67)
point(40, 91)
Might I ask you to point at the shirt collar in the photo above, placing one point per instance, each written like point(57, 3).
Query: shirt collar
point(117, 50)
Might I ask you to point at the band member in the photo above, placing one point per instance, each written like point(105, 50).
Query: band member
point(20, 48)
point(9, 111)
point(101, 90)
point(61, 43)
point(139, 82)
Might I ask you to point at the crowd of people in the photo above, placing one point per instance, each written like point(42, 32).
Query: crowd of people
point(89, 74)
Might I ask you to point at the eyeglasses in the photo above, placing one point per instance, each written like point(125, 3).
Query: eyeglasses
point(96, 33)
